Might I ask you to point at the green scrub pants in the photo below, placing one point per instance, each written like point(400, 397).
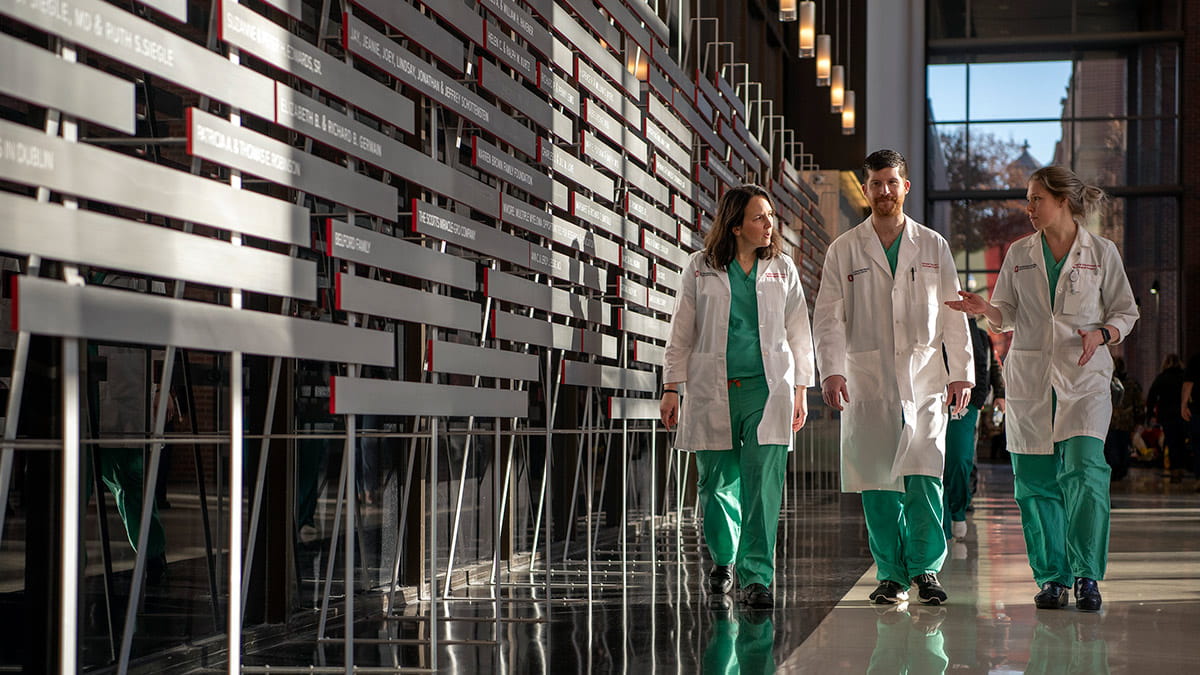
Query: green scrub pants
point(901, 648)
point(741, 490)
point(960, 459)
point(904, 529)
point(1064, 506)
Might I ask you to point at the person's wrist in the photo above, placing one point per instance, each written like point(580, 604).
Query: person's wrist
point(670, 391)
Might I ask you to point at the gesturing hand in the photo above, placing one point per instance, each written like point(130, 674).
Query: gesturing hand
point(970, 303)
point(1091, 340)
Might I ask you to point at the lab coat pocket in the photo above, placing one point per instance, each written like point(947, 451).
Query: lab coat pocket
point(1026, 373)
point(925, 305)
point(864, 376)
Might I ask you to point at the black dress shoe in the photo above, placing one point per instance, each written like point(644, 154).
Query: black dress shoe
point(720, 579)
point(759, 597)
point(1052, 596)
point(1087, 595)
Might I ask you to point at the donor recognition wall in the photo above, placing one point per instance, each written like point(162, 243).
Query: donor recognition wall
point(553, 157)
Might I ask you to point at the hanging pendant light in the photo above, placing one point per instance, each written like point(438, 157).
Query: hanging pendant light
point(823, 60)
point(837, 88)
point(787, 10)
point(808, 28)
point(848, 120)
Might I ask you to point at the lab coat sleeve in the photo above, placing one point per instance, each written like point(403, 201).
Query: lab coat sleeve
point(1120, 309)
point(829, 318)
point(683, 327)
point(799, 332)
point(960, 360)
point(1004, 296)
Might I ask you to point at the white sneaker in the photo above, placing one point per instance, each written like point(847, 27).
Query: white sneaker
point(958, 529)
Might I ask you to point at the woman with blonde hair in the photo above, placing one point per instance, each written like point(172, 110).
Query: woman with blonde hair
point(1063, 293)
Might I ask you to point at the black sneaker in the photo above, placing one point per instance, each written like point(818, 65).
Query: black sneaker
point(888, 592)
point(720, 579)
point(929, 589)
point(759, 597)
point(1053, 596)
point(1087, 595)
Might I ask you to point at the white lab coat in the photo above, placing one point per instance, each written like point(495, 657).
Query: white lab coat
point(1092, 291)
point(885, 336)
point(695, 352)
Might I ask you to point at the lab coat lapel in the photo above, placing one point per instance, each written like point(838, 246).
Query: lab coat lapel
point(870, 243)
point(906, 258)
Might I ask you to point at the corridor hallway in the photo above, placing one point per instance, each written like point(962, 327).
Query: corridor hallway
point(657, 619)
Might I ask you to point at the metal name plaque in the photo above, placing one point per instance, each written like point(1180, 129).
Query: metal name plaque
point(176, 9)
point(651, 19)
point(664, 276)
point(517, 328)
point(358, 244)
point(562, 126)
point(571, 167)
point(615, 131)
point(682, 209)
point(460, 16)
point(731, 98)
point(460, 230)
point(586, 10)
point(272, 43)
point(632, 408)
point(626, 20)
point(643, 325)
point(522, 23)
point(631, 291)
point(507, 168)
point(648, 352)
point(505, 88)
point(336, 129)
point(510, 288)
point(714, 164)
point(292, 8)
point(385, 54)
point(659, 111)
point(592, 213)
point(600, 344)
point(362, 396)
point(420, 29)
point(31, 157)
point(558, 88)
point(659, 301)
point(607, 157)
point(460, 359)
point(663, 248)
point(608, 377)
point(48, 307)
point(607, 94)
point(112, 31)
point(575, 237)
point(647, 213)
point(668, 172)
point(648, 184)
point(71, 235)
point(656, 135)
point(565, 267)
point(223, 142)
point(33, 74)
point(380, 298)
point(510, 53)
point(529, 218)
point(635, 263)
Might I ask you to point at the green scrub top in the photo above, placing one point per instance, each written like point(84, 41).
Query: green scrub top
point(1053, 268)
point(743, 352)
point(893, 253)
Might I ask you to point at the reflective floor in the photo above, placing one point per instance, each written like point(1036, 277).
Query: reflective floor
point(643, 618)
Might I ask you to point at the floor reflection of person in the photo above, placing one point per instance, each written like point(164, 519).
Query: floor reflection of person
point(1067, 644)
point(741, 344)
point(1063, 293)
point(740, 645)
point(909, 642)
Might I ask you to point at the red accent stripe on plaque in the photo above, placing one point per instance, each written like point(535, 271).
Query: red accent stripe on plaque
point(332, 396)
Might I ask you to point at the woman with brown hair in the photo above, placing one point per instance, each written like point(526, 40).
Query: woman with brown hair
point(1064, 294)
point(741, 344)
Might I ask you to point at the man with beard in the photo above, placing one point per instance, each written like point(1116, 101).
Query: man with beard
point(880, 327)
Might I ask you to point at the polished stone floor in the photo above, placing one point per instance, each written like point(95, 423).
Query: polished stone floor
point(643, 618)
